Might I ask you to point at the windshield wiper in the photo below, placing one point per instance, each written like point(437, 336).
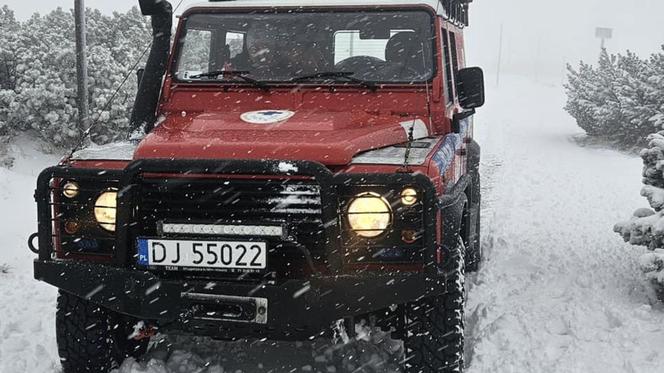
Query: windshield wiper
point(235, 74)
point(337, 75)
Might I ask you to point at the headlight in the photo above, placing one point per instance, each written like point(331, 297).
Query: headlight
point(106, 208)
point(369, 215)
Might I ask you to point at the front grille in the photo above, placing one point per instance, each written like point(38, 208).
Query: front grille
point(293, 204)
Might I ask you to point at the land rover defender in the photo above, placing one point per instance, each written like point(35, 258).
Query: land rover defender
point(302, 164)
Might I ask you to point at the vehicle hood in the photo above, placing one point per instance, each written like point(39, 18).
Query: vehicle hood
point(331, 138)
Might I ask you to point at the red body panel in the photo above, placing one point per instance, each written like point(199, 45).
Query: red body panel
point(328, 137)
point(332, 124)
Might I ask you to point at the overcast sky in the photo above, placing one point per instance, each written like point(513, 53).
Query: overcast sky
point(539, 35)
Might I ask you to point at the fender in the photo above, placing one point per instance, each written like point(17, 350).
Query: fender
point(473, 150)
point(451, 206)
point(474, 153)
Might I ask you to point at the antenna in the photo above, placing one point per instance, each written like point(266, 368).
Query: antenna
point(409, 147)
point(411, 131)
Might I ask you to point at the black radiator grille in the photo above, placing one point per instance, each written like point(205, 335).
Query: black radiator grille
point(293, 204)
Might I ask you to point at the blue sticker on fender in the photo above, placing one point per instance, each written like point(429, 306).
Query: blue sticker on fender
point(445, 154)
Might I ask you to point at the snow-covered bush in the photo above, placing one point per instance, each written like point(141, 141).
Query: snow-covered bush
point(621, 100)
point(38, 80)
point(646, 226)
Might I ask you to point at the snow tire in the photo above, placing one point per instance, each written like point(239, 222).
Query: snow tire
point(93, 339)
point(434, 326)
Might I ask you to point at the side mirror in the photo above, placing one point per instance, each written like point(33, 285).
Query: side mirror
point(470, 87)
point(154, 7)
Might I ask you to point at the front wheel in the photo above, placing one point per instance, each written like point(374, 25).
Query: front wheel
point(434, 326)
point(93, 339)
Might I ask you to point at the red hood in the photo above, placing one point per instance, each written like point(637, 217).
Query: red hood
point(331, 138)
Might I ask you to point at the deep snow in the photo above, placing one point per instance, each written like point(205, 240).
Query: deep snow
point(559, 291)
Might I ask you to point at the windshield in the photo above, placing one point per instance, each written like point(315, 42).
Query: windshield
point(373, 46)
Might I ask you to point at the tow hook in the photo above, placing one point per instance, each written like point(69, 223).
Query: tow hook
point(143, 331)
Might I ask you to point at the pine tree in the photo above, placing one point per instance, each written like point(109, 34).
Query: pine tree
point(619, 100)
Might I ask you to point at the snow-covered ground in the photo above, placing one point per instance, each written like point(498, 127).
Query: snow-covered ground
point(27, 332)
point(559, 291)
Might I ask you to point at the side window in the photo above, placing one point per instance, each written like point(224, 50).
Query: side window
point(195, 56)
point(448, 67)
point(235, 42)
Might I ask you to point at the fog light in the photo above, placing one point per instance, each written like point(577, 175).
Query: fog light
point(72, 227)
point(369, 215)
point(70, 190)
point(409, 196)
point(409, 236)
point(106, 209)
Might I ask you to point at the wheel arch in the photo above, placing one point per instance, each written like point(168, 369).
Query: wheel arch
point(453, 205)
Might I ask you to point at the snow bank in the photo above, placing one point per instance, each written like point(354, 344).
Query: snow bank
point(27, 308)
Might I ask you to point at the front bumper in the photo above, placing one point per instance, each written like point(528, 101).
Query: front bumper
point(295, 309)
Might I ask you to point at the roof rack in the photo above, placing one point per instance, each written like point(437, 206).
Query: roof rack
point(456, 11)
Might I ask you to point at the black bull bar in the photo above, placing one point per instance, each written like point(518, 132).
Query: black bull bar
point(124, 288)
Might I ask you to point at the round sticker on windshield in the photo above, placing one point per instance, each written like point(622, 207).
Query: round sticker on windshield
point(267, 116)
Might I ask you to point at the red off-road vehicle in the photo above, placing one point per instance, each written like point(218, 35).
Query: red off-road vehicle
point(305, 161)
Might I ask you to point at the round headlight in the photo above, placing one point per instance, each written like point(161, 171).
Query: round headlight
point(70, 190)
point(369, 215)
point(106, 209)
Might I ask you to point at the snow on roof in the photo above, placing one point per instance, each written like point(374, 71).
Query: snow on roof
point(435, 4)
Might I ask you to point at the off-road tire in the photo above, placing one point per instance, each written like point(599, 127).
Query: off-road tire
point(93, 339)
point(434, 326)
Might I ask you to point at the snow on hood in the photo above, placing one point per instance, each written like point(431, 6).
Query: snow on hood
point(120, 151)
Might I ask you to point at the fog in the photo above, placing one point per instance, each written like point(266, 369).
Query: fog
point(539, 36)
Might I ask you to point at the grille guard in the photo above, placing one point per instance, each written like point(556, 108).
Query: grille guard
point(329, 183)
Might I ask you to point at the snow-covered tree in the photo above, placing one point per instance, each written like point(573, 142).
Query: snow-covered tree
point(38, 81)
point(620, 100)
point(646, 226)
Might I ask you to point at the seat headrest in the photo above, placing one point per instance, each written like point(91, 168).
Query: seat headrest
point(401, 47)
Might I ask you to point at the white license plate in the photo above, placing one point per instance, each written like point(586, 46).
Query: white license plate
point(202, 254)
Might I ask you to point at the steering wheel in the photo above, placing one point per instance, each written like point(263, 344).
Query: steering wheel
point(399, 71)
point(361, 65)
